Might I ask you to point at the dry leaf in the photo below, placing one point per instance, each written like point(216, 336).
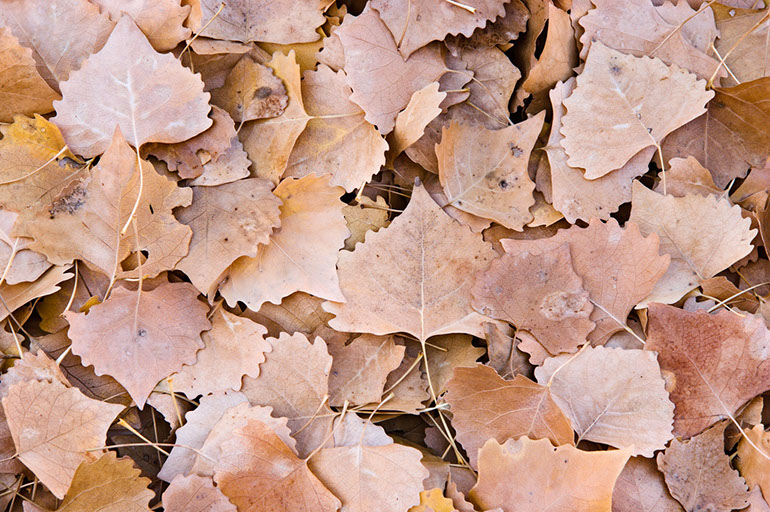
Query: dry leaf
point(447, 352)
point(161, 21)
point(641, 488)
point(423, 107)
point(366, 216)
point(616, 110)
point(88, 125)
point(251, 91)
point(484, 406)
point(195, 493)
point(16, 295)
point(687, 176)
point(699, 475)
point(140, 339)
point(714, 363)
point(421, 299)
point(752, 463)
point(752, 61)
point(23, 265)
point(499, 32)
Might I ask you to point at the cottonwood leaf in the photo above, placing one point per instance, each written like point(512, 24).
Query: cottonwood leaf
point(619, 267)
point(363, 217)
point(337, 138)
point(687, 176)
point(195, 493)
point(423, 107)
point(382, 80)
point(484, 172)
point(752, 60)
point(539, 293)
point(730, 137)
point(61, 33)
point(22, 89)
point(356, 475)
point(161, 21)
point(132, 79)
point(251, 91)
point(714, 363)
point(433, 501)
point(257, 471)
point(227, 221)
point(32, 367)
point(612, 396)
point(299, 312)
point(500, 31)
point(16, 295)
point(641, 488)
point(447, 352)
point(235, 346)
point(409, 387)
point(23, 264)
point(417, 276)
point(232, 165)
point(293, 380)
point(703, 236)
point(484, 406)
point(52, 427)
point(140, 343)
point(698, 473)
point(523, 475)
point(301, 255)
point(752, 463)
point(671, 33)
point(86, 220)
point(282, 21)
point(616, 110)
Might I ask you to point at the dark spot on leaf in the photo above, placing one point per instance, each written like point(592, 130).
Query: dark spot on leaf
point(263, 92)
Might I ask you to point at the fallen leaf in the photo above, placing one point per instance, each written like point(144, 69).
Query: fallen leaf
point(366, 216)
point(140, 339)
point(423, 107)
point(195, 493)
point(735, 25)
point(447, 352)
point(22, 264)
point(687, 176)
point(752, 463)
point(161, 21)
point(16, 295)
point(433, 500)
point(500, 31)
point(641, 488)
point(251, 91)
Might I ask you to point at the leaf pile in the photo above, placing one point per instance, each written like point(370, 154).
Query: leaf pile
point(396, 255)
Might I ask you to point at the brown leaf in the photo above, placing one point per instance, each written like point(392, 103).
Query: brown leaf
point(409, 387)
point(16, 295)
point(703, 236)
point(88, 126)
point(687, 176)
point(447, 352)
point(418, 299)
point(251, 91)
point(301, 255)
point(23, 264)
point(299, 312)
point(499, 32)
point(235, 346)
point(641, 488)
point(293, 380)
point(528, 475)
point(612, 396)
point(38, 367)
point(484, 172)
point(337, 138)
point(195, 493)
point(539, 293)
point(53, 426)
point(752, 59)
point(753, 464)
point(363, 217)
point(257, 471)
point(284, 21)
point(699, 475)
point(227, 221)
point(140, 340)
point(382, 80)
point(714, 363)
point(616, 110)
point(161, 21)
point(423, 107)
point(484, 406)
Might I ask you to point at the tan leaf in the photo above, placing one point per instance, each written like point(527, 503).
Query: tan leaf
point(299, 312)
point(301, 255)
point(574, 195)
point(421, 21)
point(161, 21)
point(528, 475)
point(731, 136)
point(86, 220)
point(671, 33)
point(61, 33)
point(351, 430)
point(251, 91)
point(293, 380)
point(504, 353)
point(140, 343)
point(235, 346)
point(269, 142)
point(753, 465)
point(232, 165)
point(363, 217)
point(212, 58)
point(284, 21)
point(193, 434)
point(195, 493)
point(382, 80)
point(687, 176)
point(409, 387)
point(484, 406)
point(22, 89)
point(422, 108)
point(641, 488)
point(612, 396)
point(16, 295)
point(227, 221)
point(484, 172)
point(257, 471)
point(616, 110)
point(418, 299)
point(360, 368)
point(447, 352)
point(703, 236)
point(337, 138)
point(756, 502)
point(23, 265)
point(38, 367)
point(53, 426)
point(752, 60)
point(88, 125)
point(619, 268)
point(433, 501)
point(539, 293)
point(355, 474)
point(699, 475)
point(714, 363)
point(500, 32)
